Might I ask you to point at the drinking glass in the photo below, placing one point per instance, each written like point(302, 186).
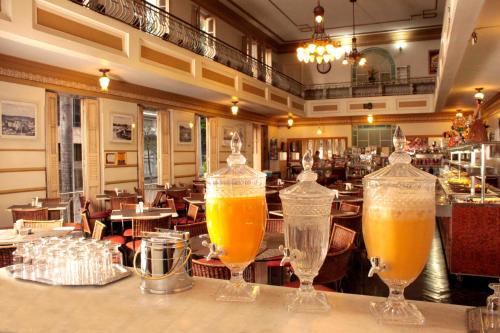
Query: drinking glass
point(398, 228)
point(306, 211)
point(236, 218)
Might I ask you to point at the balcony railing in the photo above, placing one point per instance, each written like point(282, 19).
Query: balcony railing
point(412, 86)
point(155, 21)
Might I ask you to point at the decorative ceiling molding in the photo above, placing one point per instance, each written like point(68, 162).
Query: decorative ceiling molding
point(491, 107)
point(32, 73)
point(379, 38)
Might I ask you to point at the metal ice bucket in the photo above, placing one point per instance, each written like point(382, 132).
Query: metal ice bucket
point(165, 262)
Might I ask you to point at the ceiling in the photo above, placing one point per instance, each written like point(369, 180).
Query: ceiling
point(291, 20)
point(480, 65)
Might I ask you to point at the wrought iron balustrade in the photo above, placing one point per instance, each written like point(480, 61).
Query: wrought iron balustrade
point(156, 21)
point(412, 86)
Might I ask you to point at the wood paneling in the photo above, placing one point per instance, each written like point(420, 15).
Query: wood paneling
point(184, 163)
point(412, 104)
point(165, 59)
point(22, 190)
point(91, 151)
point(279, 99)
point(121, 181)
point(298, 106)
point(21, 149)
point(360, 106)
point(121, 166)
point(253, 90)
point(62, 24)
point(216, 77)
point(322, 108)
point(21, 169)
point(185, 176)
point(51, 139)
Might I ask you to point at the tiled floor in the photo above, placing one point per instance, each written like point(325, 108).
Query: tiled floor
point(433, 285)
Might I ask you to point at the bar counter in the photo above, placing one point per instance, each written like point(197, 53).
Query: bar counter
point(120, 307)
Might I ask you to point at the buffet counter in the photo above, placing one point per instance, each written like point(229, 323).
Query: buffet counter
point(120, 307)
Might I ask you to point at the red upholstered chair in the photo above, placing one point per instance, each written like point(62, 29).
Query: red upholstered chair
point(347, 207)
point(178, 195)
point(159, 200)
point(6, 256)
point(99, 215)
point(275, 225)
point(195, 229)
point(35, 214)
point(145, 224)
point(53, 215)
point(215, 269)
point(117, 201)
point(190, 217)
point(274, 266)
point(98, 233)
point(354, 223)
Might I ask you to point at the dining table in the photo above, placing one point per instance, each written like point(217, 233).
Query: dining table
point(193, 201)
point(59, 206)
point(10, 236)
point(129, 214)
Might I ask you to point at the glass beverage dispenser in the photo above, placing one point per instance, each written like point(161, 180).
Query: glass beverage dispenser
point(236, 220)
point(398, 227)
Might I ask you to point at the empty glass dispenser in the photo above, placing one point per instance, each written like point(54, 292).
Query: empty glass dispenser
point(306, 210)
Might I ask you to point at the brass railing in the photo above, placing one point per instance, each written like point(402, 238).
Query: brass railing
point(156, 21)
point(411, 86)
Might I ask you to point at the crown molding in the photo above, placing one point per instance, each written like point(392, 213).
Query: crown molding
point(22, 71)
point(491, 107)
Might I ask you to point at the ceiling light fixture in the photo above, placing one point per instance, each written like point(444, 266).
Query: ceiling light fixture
point(459, 113)
point(289, 121)
point(104, 79)
point(354, 56)
point(191, 125)
point(234, 108)
point(479, 95)
point(400, 45)
point(319, 131)
point(320, 49)
point(369, 119)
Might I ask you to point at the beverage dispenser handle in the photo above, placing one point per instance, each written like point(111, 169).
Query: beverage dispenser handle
point(286, 255)
point(377, 266)
point(214, 250)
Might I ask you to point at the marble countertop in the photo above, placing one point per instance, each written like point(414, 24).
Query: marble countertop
point(120, 307)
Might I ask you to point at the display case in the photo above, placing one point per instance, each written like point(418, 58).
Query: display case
point(429, 162)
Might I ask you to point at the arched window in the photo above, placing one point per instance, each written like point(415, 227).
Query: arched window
point(379, 67)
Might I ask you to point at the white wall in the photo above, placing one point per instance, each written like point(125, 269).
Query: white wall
point(16, 153)
point(183, 154)
point(415, 54)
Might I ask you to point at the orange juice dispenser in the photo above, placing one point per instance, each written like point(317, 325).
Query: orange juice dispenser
point(236, 220)
point(398, 227)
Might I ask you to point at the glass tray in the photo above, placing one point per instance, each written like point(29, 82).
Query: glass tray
point(120, 272)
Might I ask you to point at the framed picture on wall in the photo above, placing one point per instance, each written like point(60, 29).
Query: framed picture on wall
point(18, 120)
point(227, 135)
point(121, 158)
point(110, 158)
point(184, 133)
point(433, 61)
point(121, 128)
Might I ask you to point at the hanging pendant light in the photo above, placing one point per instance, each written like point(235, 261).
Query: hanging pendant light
point(234, 108)
point(354, 56)
point(104, 80)
point(479, 95)
point(319, 131)
point(369, 119)
point(289, 121)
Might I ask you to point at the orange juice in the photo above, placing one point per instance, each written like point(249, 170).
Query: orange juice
point(237, 225)
point(402, 240)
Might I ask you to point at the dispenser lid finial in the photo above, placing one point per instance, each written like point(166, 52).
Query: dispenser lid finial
point(399, 142)
point(307, 164)
point(236, 157)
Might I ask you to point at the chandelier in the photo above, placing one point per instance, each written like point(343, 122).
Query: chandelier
point(320, 48)
point(354, 56)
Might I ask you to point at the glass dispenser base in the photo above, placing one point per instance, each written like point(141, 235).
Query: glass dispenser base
point(237, 292)
point(397, 313)
point(313, 301)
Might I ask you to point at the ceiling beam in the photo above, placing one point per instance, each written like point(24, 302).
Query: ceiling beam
point(379, 38)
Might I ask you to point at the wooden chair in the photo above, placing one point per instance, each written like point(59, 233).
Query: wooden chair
point(197, 196)
point(127, 206)
point(194, 229)
point(117, 201)
point(159, 199)
point(6, 255)
point(53, 215)
point(178, 195)
point(98, 234)
point(43, 225)
point(215, 269)
point(190, 217)
point(338, 258)
point(347, 207)
point(39, 214)
point(275, 225)
point(138, 191)
point(354, 223)
point(144, 224)
point(85, 223)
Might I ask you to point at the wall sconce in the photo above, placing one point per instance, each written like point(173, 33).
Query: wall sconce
point(104, 79)
point(289, 121)
point(473, 38)
point(369, 119)
point(234, 108)
point(400, 45)
point(191, 125)
point(459, 113)
point(319, 131)
point(479, 95)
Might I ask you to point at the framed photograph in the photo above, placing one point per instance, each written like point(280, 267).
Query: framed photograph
point(433, 61)
point(18, 120)
point(110, 158)
point(122, 128)
point(227, 135)
point(185, 133)
point(121, 158)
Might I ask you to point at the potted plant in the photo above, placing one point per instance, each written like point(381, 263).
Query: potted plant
point(372, 72)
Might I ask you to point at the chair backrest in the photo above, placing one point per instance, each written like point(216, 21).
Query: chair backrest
point(41, 214)
point(178, 194)
point(192, 212)
point(197, 196)
point(86, 206)
point(171, 204)
point(148, 224)
point(6, 255)
point(82, 201)
point(274, 225)
point(51, 200)
point(200, 188)
point(347, 207)
point(137, 190)
point(127, 206)
point(194, 229)
point(215, 269)
point(98, 231)
point(158, 199)
point(43, 225)
point(351, 222)
point(117, 201)
point(342, 238)
point(85, 223)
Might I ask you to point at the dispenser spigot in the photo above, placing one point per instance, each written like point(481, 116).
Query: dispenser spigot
point(286, 255)
point(377, 266)
point(215, 251)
